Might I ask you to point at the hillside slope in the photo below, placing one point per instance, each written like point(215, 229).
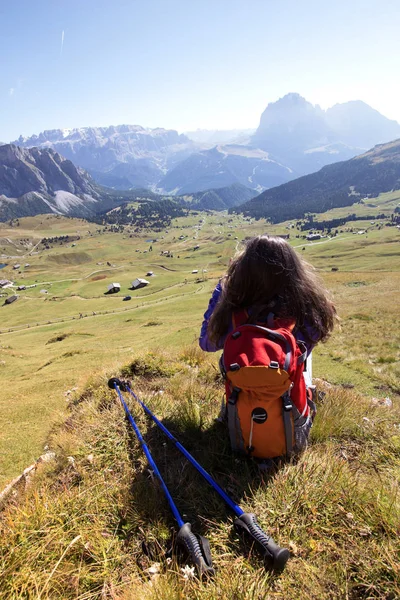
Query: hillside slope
point(39, 181)
point(341, 184)
point(220, 198)
point(117, 155)
point(95, 524)
point(224, 165)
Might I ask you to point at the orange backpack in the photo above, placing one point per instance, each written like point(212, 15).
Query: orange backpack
point(267, 407)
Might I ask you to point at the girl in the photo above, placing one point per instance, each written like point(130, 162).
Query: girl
point(270, 285)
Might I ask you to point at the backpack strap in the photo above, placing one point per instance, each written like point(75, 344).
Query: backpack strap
point(287, 422)
point(303, 357)
point(237, 442)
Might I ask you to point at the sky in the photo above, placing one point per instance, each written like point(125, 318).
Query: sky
point(190, 64)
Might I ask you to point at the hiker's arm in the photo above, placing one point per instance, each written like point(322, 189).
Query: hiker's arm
point(204, 342)
point(309, 335)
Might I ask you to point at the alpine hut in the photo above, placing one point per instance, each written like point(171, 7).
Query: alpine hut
point(113, 288)
point(11, 299)
point(139, 283)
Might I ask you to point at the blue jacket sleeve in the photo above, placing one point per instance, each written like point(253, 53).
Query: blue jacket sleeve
point(204, 342)
point(309, 336)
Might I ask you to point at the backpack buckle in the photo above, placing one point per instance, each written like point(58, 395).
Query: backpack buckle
point(287, 403)
point(274, 364)
point(234, 395)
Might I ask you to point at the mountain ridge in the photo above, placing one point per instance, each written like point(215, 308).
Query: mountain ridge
point(340, 184)
point(40, 180)
point(296, 136)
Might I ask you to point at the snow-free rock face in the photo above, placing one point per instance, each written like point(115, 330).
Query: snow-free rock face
point(40, 170)
point(292, 123)
point(357, 124)
point(41, 181)
point(305, 137)
point(294, 138)
point(223, 166)
point(126, 155)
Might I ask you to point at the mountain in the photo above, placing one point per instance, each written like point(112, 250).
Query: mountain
point(293, 138)
point(357, 124)
point(222, 166)
point(117, 155)
point(304, 137)
point(41, 181)
point(291, 123)
point(220, 198)
point(340, 184)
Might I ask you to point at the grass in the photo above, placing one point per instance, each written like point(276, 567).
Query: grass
point(79, 529)
point(168, 312)
point(94, 524)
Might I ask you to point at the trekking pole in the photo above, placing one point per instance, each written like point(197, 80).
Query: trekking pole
point(196, 546)
point(245, 522)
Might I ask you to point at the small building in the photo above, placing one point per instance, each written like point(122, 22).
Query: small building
point(16, 267)
point(284, 236)
point(113, 288)
point(195, 271)
point(139, 283)
point(313, 236)
point(196, 247)
point(149, 274)
point(4, 283)
point(11, 299)
point(27, 265)
point(21, 287)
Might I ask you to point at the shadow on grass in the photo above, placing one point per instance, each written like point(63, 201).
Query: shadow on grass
point(198, 503)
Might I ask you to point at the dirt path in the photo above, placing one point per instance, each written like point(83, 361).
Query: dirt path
point(162, 267)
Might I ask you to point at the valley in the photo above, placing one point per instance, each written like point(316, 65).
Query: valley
point(66, 330)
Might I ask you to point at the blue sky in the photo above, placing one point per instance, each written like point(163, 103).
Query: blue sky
point(188, 64)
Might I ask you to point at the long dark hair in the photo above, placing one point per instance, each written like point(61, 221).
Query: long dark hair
point(269, 276)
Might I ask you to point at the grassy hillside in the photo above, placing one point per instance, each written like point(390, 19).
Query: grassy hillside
point(336, 508)
point(95, 525)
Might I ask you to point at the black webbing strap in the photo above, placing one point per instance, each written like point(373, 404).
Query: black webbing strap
point(235, 434)
point(303, 357)
point(287, 422)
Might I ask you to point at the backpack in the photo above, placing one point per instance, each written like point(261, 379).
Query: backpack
point(267, 408)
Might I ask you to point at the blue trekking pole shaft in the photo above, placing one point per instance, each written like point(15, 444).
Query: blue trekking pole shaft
point(152, 464)
point(236, 509)
point(197, 547)
point(246, 522)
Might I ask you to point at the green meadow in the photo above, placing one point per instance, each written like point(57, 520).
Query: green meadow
point(78, 530)
point(98, 332)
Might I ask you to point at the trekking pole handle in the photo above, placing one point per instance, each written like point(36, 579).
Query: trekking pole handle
point(247, 522)
point(198, 549)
